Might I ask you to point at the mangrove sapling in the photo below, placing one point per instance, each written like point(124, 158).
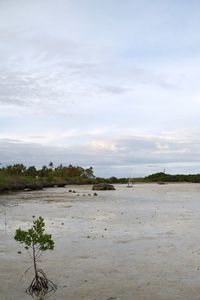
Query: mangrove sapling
point(36, 242)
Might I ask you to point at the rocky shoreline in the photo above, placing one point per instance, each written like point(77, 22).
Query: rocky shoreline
point(29, 186)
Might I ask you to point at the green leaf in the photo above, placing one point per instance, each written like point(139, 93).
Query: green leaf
point(35, 236)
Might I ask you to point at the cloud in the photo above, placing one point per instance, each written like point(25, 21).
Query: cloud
point(116, 155)
point(116, 90)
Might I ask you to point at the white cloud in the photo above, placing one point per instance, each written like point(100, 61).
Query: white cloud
point(116, 155)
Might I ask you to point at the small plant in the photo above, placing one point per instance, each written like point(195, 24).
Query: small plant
point(36, 240)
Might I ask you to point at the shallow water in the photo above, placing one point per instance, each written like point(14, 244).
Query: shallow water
point(141, 243)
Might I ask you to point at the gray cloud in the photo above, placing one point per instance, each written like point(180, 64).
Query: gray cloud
point(114, 156)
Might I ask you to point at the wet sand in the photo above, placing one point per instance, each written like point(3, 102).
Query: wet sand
point(141, 243)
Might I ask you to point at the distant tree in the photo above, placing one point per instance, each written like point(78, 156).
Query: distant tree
point(51, 164)
point(44, 172)
point(59, 171)
point(113, 179)
point(16, 169)
point(72, 171)
point(31, 171)
point(88, 173)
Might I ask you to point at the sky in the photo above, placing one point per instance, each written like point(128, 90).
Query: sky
point(112, 84)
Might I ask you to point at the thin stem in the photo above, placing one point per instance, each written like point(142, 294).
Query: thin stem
point(34, 263)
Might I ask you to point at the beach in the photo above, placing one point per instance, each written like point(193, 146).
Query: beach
point(141, 243)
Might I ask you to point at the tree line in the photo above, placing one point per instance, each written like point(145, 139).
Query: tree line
point(48, 171)
point(86, 175)
point(163, 177)
point(75, 173)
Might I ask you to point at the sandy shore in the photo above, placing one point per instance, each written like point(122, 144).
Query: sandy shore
point(141, 243)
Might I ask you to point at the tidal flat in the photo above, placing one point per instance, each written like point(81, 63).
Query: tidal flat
point(141, 243)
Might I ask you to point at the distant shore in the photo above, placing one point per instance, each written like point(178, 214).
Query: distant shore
point(34, 186)
point(19, 177)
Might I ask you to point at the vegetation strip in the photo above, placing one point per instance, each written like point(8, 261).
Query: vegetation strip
point(19, 177)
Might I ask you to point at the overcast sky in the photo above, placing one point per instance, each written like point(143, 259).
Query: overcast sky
point(112, 84)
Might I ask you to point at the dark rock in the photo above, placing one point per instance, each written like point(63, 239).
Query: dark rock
point(4, 189)
point(103, 187)
point(61, 184)
point(30, 186)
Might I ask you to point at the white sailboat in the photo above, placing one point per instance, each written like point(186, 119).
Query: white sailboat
point(129, 183)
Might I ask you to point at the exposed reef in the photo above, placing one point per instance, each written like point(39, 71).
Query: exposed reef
point(103, 187)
